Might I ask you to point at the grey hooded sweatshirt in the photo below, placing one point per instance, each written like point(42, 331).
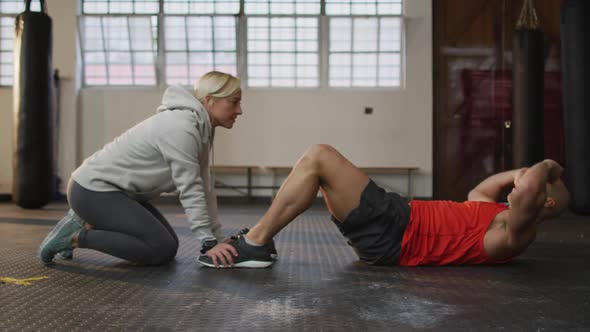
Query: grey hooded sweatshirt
point(165, 153)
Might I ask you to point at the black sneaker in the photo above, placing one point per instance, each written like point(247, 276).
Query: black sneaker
point(248, 256)
point(273, 251)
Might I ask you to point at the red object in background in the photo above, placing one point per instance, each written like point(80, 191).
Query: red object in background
point(488, 104)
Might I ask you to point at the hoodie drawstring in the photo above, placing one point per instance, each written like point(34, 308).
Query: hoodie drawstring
point(212, 163)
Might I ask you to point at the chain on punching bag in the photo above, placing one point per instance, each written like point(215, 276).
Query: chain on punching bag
point(527, 90)
point(33, 109)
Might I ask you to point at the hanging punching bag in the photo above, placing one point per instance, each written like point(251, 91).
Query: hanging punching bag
point(575, 41)
point(527, 98)
point(33, 110)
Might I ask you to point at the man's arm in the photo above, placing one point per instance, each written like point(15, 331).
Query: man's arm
point(529, 194)
point(526, 202)
point(490, 189)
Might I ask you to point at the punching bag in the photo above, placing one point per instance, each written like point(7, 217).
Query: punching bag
point(33, 110)
point(527, 98)
point(575, 43)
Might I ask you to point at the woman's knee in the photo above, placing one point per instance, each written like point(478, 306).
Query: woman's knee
point(162, 253)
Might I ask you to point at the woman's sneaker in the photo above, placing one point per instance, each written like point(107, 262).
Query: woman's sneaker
point(65, 254)
point(248, 256)
point(59, 240)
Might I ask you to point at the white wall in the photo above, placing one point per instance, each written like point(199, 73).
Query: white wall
point(277, 125)
point(5, 140)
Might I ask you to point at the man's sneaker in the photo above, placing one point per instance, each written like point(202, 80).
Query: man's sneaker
point(60, 238)
point(273, 251)
point(248, 256)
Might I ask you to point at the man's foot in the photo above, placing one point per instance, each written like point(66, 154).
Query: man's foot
point(273, 251)
point(59, 240)
point(248, 256)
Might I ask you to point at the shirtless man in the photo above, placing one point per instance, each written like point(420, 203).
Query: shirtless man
point(386, 229)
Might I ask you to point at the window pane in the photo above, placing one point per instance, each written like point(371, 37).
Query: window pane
point(95, 74)
point(6, 48)
point(142, 38)
point(255, 59)
point(116, 33)
point(365, 35)
point(120, 6)
point(307, 7)
point(390, 34)
point(341, 35)
point(17, 6)
point(365, 52)
point(176, 38)
point(364, 7)
point(201, 58)
point(364, 69)
point(282, 7)
point(277, 46)
point(258, 82)
point(119, 50)
point(200, 44)
point(224, 33)
point(201, 7)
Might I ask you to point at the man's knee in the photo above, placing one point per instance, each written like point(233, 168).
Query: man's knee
point(320, 152)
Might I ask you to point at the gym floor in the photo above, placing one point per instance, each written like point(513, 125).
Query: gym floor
point(317, 284)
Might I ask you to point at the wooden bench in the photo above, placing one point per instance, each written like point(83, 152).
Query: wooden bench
point(250, 170)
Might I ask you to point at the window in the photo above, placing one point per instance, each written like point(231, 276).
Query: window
point(200, 36)
point(365, 51)
point(283, 51)
point(8, 11)
point(198, 44)
point(270, 43)
point(119, 42)
point(119, 50)
point(120, 6)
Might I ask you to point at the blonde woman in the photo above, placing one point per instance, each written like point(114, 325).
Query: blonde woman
point(109, 193)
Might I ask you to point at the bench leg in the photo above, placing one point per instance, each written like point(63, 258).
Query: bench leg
point(249, 177)
point(410, 195)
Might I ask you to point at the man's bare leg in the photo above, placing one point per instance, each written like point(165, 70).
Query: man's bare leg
point(320, 168)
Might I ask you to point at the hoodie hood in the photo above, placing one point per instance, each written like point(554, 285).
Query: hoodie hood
point(178, 98)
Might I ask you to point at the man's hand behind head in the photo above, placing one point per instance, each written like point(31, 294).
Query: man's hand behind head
point(555, 170)
point(518, 175)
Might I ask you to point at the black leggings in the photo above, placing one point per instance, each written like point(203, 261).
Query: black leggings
point(124, 228)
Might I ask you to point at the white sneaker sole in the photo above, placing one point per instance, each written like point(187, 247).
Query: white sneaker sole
point(246, 264)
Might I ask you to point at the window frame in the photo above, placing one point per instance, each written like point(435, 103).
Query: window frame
point(241, 49)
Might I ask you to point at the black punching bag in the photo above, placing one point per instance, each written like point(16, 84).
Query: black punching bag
point(33, 110)
point(575, 43)
point(527, 98)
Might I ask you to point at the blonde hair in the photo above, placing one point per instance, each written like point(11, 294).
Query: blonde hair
point(216, 84)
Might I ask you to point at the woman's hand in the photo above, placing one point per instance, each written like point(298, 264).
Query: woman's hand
point(222, 254)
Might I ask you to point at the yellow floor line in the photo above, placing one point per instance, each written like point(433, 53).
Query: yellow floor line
point(21, 282)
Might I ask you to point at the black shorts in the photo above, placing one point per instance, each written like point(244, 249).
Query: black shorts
point(376, 227)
